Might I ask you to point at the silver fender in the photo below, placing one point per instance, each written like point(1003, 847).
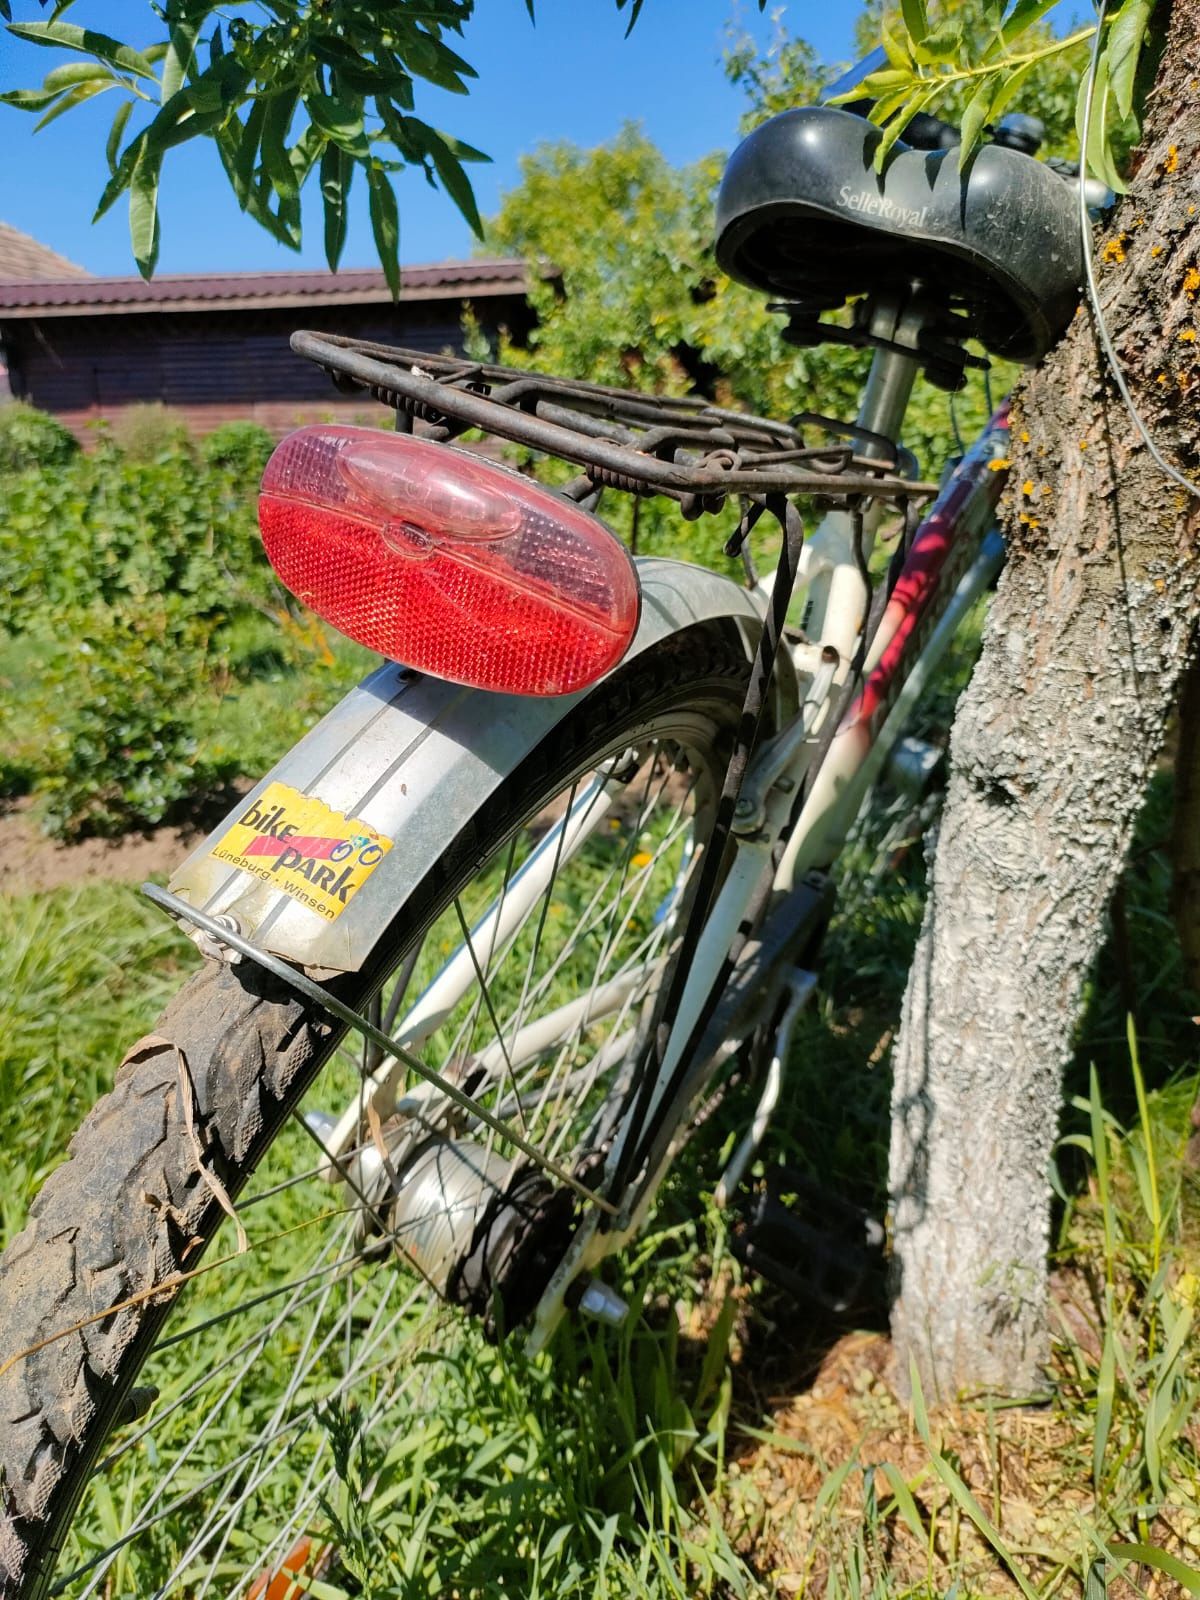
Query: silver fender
point(412, 757)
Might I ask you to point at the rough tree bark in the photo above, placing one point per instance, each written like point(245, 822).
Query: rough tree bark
point(1053, 746)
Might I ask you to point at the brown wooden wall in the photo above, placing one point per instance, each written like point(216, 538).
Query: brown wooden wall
point(218, 366)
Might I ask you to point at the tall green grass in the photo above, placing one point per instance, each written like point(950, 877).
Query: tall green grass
point(83, 972)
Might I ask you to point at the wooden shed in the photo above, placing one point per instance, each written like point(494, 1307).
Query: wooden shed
point(215, 347)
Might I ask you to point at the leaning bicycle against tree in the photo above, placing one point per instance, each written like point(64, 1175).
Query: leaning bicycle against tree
point(482, 943)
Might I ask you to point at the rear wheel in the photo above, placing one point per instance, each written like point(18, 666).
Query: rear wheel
point(158, 1413)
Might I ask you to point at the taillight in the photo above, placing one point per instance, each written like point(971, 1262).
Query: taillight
point(447, 562)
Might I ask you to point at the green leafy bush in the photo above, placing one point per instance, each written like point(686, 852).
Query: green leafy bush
point(30, 438)
point(110, 529)
point(146, 647)
point(150, 432)
point(116, 700)
point(240, 448)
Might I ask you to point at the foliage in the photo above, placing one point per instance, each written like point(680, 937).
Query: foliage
point(150, 431)
point(312, 92)
point(116, 693)
point(30, 438)
point(240, 448)
point(110, 528)
point(685, 1454)
point(978, 59)
point(82, 972)
point(149, 651)
point(788, 73)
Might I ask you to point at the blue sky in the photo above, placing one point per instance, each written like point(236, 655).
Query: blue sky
point(573, 76)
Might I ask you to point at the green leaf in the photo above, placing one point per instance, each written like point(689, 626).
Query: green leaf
point(1009, 88)
point(1158, 1406)
point(1106, 1386)
point(340, 119)
point(29, 99)
point(905, 1503)
point(245, 156)
point(1103, 1187)
point(1023, 15)
point(1149, 1555)
point(449, 169)
point(399, 82)
point(943, 43)
point(1153, 1205)
point(337, 170)
point(832, 1487)
point(896, 50)
point(635, 12)
point(1097, 156)
point(916, 19)
point(385, 225)
point(76, 97)
point(978, 112)
point(76, 72)
point(281, 108)
point(905, 109)
point(143, 210)
point(283, 225)
point(116, 133)
point(354, 71)
point(430, 59)
point(121, 174)
point(1123, 48)
point(888, 80)
point(181, 51)
point(892, 105)
point(303, 156)
point(71, 37)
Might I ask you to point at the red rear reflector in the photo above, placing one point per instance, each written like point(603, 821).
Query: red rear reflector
point(447, 562)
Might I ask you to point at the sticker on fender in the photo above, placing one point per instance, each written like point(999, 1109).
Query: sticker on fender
point(294, 842)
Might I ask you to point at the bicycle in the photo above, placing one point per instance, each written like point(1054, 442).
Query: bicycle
point(589, 824)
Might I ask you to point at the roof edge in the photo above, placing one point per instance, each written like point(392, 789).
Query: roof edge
point(240, 291)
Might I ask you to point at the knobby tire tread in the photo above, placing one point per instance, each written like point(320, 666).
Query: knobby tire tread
point(130, 1210)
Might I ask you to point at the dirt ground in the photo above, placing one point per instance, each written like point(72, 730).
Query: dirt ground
point(826, 1450)
point(30, 863)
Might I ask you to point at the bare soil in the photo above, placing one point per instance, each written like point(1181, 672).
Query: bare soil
point(30, 863)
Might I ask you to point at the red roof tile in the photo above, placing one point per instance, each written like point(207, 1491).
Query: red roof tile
point(234, 291)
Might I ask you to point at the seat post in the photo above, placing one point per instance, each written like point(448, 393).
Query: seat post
point(900, 321)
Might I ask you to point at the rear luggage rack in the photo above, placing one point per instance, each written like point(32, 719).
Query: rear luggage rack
point(680, 446)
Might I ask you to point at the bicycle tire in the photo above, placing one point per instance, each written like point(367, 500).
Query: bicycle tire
point(130, 1211)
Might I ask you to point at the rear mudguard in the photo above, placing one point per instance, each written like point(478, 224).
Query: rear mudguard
point(314, 862)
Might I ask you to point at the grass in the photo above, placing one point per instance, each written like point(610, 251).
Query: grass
point(83, 972)
point(707, 1447)
point(721, 1442)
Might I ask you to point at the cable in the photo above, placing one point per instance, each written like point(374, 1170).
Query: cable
point(1093, 291)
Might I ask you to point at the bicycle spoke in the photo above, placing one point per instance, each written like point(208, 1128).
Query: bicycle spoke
point(491, 1011)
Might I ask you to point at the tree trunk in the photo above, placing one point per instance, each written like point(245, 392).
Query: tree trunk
point(1052, 749)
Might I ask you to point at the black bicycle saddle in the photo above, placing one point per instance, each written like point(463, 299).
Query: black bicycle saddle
point(803, 214)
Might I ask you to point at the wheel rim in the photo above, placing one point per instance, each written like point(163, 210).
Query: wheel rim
point(298, 1309)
